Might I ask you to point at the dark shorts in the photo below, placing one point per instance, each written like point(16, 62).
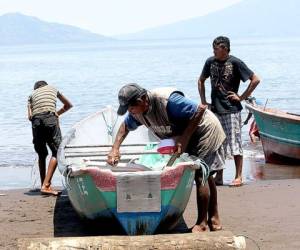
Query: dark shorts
point(46, 131)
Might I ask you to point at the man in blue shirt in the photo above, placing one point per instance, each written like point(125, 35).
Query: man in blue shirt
point(168, 114)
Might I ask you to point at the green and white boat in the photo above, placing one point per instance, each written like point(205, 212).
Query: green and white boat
point(142, 198)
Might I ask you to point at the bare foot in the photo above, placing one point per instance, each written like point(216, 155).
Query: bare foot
point(49, 191)
point(200, 228)
point(214, 224)
point(236, 182)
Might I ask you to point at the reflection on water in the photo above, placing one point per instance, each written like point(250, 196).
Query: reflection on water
point(275, 172)
point(266, 171)
point(255, 168)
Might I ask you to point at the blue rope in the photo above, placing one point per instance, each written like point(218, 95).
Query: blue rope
point(110, 128)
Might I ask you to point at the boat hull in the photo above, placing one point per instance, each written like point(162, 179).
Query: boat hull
point(280, 135)
point(91, 201)
point(280, 152)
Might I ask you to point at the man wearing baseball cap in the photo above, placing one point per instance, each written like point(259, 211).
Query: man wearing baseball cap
point(196, 130)
point(128, 94)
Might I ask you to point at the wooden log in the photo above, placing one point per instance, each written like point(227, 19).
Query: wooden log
point(211, 240)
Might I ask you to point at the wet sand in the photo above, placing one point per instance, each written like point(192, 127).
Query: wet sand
point(267, 212)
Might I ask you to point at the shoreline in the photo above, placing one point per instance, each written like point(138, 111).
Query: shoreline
point(254, 168)
point(266, 212)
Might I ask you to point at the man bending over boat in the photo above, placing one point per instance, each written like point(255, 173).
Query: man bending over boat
point(45, 129)
point(196, 130)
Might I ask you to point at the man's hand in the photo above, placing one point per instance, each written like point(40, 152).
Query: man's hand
point(178, 148)
point(183, 141)
point(113, 157)
point(181, 146)
point(233, 96)
point(208, 105)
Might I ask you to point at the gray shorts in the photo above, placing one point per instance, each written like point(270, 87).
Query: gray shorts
point(216, 160)
point(232, 125)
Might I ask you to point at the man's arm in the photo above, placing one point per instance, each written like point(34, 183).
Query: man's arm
point(254, 81)
point(201, 89)
point(114, 154)
point(29, 112)
point(66, 102)
point(184, 139)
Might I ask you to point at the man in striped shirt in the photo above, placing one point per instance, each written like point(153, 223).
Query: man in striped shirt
point(45, 129)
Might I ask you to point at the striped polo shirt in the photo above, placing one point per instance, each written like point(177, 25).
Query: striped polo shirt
point(43, 99)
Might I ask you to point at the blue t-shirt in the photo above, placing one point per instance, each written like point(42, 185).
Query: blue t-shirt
point(179, 108)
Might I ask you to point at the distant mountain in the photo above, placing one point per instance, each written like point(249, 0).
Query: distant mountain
point(264, 18)
point(17, 28)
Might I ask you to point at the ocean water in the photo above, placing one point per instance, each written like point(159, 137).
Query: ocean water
point(90, 75)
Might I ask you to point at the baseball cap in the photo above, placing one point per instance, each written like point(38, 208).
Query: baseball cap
point(128, 94)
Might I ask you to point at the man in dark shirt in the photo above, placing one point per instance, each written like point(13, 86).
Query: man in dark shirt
point(226, 72)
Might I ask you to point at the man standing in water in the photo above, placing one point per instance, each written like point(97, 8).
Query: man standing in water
point(226, 72)
point(45, 129)
point(168, 114)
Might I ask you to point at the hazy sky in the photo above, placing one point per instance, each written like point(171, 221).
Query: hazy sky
point(111, 17)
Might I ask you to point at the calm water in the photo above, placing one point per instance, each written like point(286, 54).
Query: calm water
point(90, 76)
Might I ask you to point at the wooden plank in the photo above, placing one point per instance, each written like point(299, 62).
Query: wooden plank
point(104, 149)
point(87, 154)
point(107, 145)
point(224, 240)
point(125, 158)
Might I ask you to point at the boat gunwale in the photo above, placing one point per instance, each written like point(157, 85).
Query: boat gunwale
point(271, 112)
point(62, 164)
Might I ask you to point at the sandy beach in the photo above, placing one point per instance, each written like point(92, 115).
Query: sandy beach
point(266, 212)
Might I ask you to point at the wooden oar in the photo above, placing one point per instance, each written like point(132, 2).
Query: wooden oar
point(172, 160)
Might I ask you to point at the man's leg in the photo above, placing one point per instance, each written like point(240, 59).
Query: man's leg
point(202, 205)
point(42, 168)
point(50, 171)
point(237, 150)
point(46, 187)
point(53, 141)
point(213, 213)
point(238, 160)
point(40, 148)
point(219, 178)
point(232, 124)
